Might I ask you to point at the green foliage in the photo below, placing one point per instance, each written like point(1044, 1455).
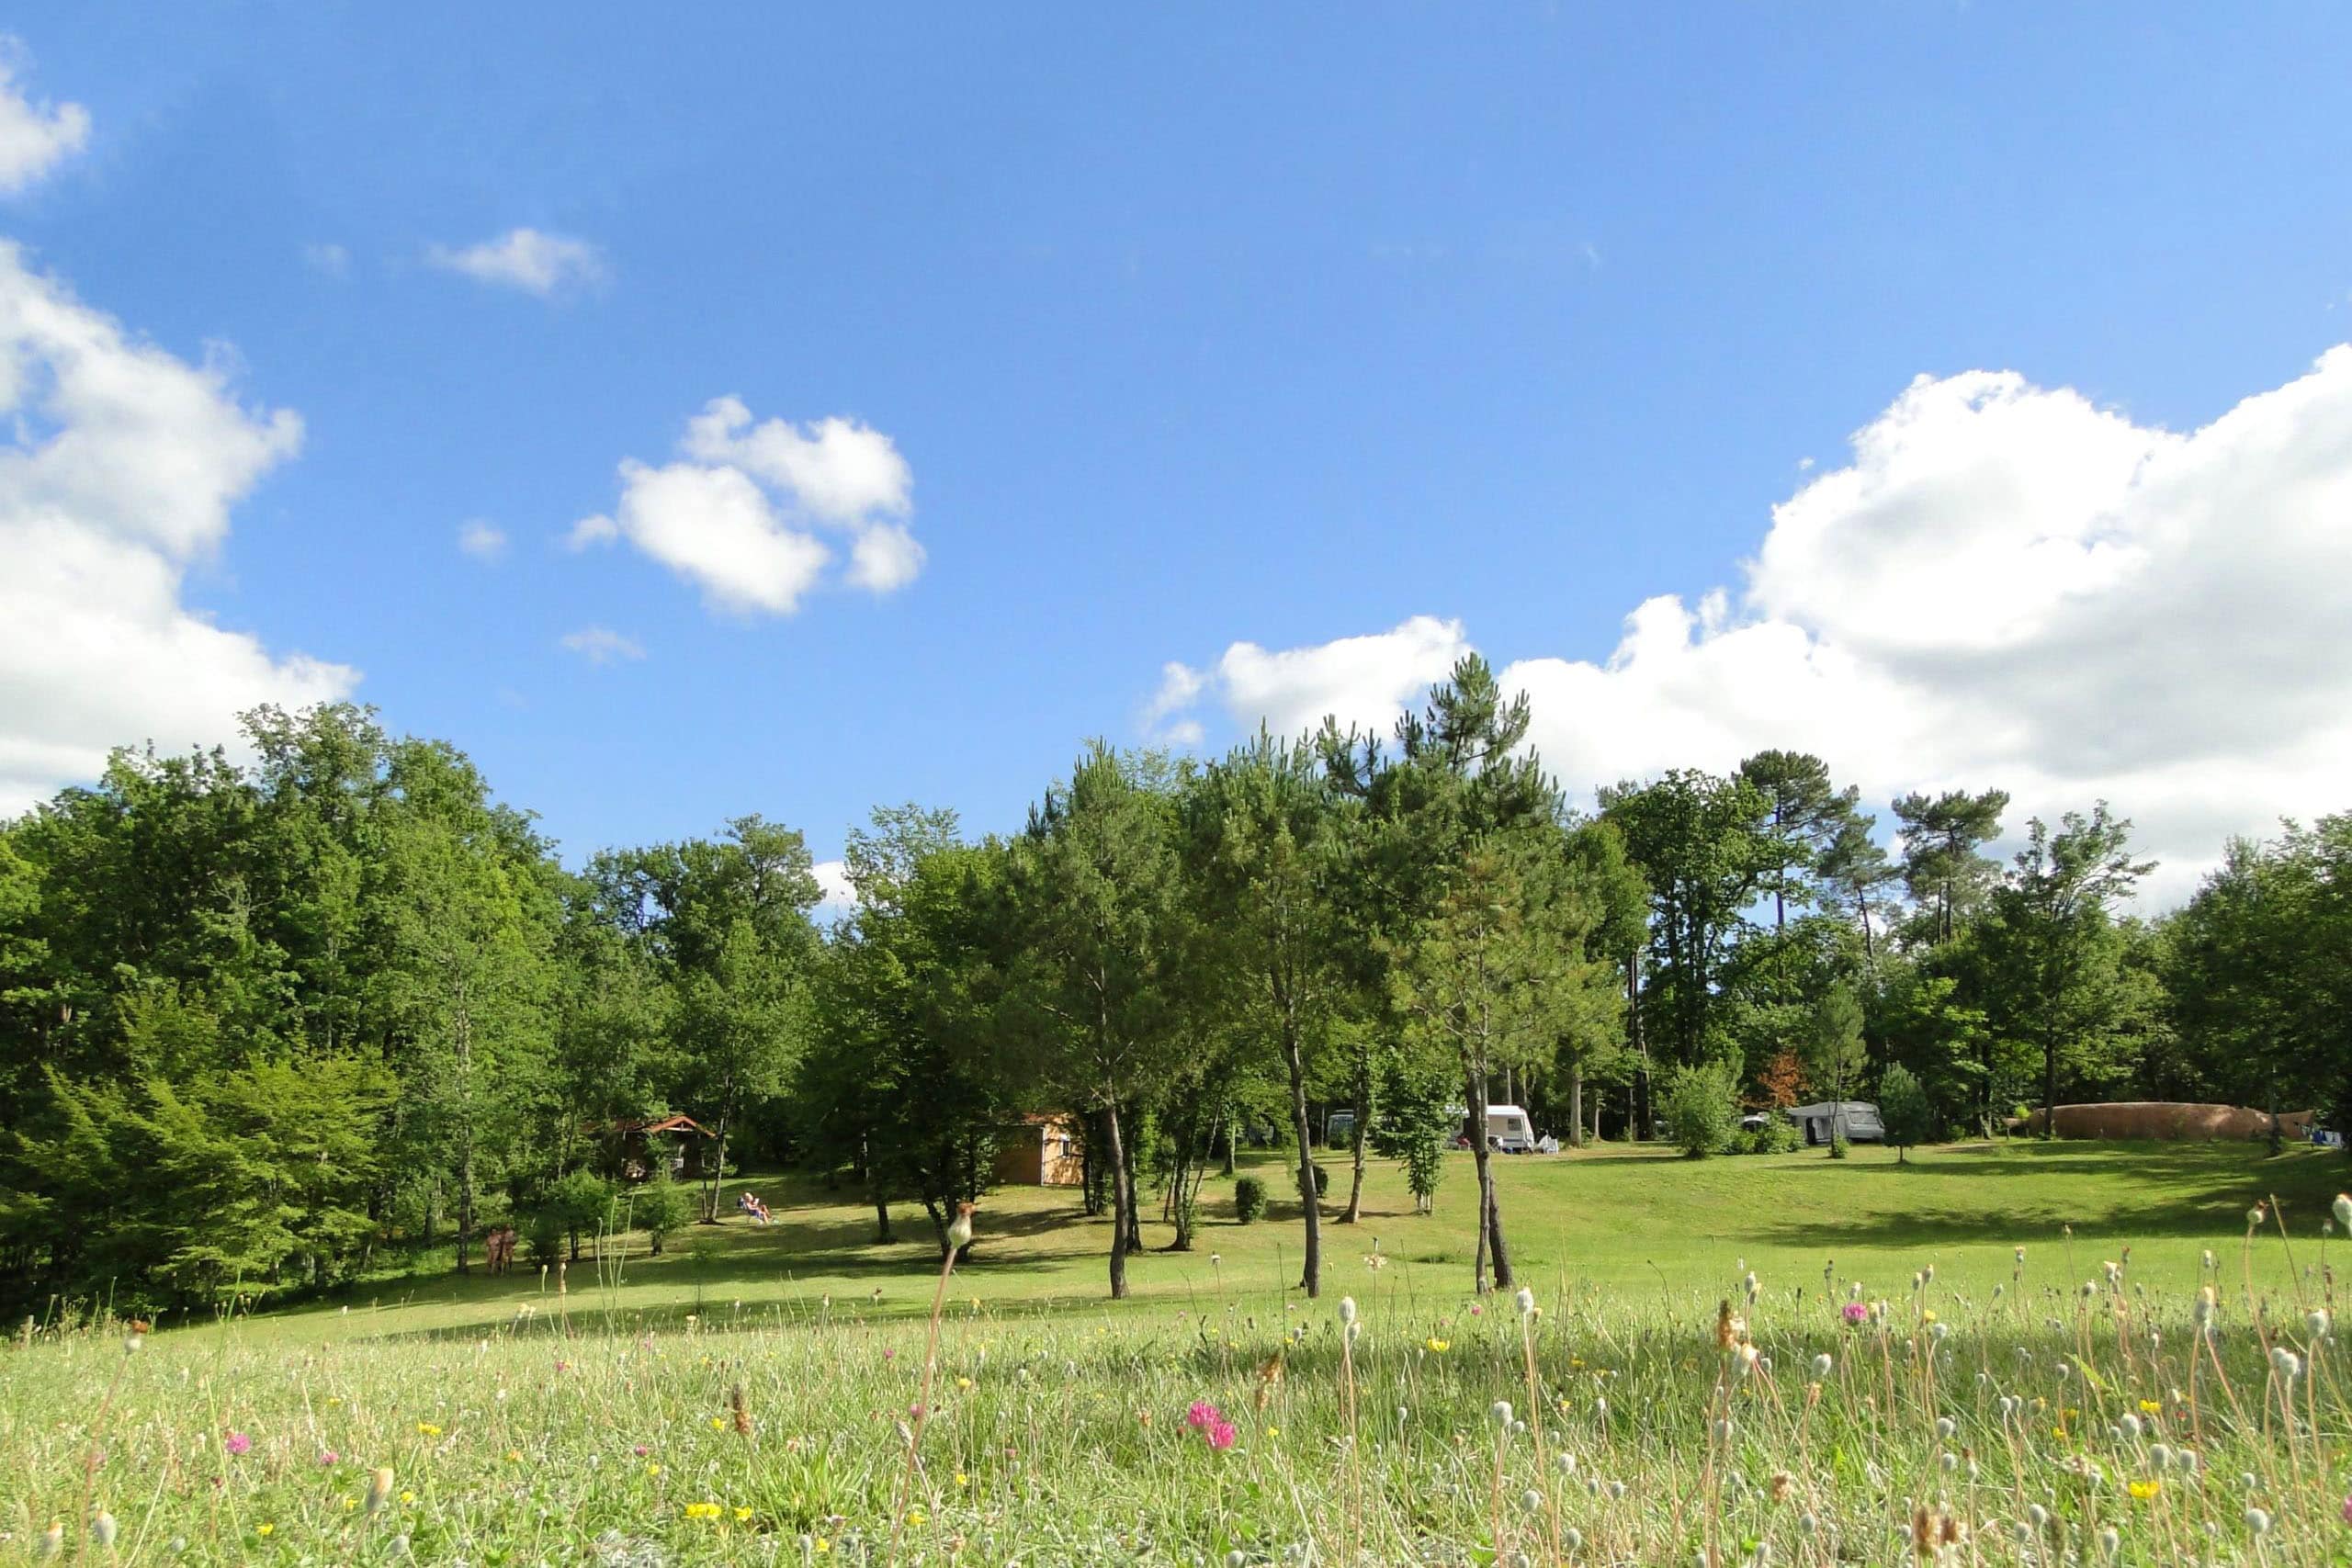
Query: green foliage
point(1904, 1108)
point(581, 1203)
point(1249, 1199)
point(1833, 1051)
point(1701, 1110)
point(658, 1207)
point(1704, 845)
point(1778, 1135)
point(2055, 955)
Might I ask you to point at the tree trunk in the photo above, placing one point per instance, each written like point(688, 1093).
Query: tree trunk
point(1133, 1206)
point(2050, 1090)
point(1363, 1121)
point(1490, 1224)
point(1118, 1163)
point(1575, 1103)
point(1230, 1132)
point(717, 1162)
point(1295, 1059)
point(465, 1044)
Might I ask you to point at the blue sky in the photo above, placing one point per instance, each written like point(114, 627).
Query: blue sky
point(1192, 328)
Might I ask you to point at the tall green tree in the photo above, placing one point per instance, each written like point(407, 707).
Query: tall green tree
point(1095, 897)
point(1702, 845)
point(1268, 850)
point(1833, 1055)
point(1941, 863)
point(468, 934)
point(2051, 943)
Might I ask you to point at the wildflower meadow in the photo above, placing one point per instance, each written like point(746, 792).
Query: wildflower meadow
point(2062, 1400)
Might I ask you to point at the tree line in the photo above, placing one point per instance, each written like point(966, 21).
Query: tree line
point(266, 1028)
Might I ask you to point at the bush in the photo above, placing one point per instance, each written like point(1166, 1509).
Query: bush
point(545, 1236)
point(1248, 1199)
point(1779, 1136)
point(582, 1204)
point(1322, 1182)
point(1903, 1105)
point(658, 1207)
point(1702, 1117)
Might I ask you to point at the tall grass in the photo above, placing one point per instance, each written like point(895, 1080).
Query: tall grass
point(2075, 1413)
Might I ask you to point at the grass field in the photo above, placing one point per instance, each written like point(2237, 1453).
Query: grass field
point(748, 1397)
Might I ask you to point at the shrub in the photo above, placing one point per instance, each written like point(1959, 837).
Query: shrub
point(1779, 1136)
point(581, 1203)
point(545, 1236)
point(658, 1207)
point(1322, 1182)
point(1903, 1106)
point(1248, 1199)
point(1700, 1116)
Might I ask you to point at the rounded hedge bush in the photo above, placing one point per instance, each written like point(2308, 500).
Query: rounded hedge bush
point(1248, 1199)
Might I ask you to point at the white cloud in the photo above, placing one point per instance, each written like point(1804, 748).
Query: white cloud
point(883, 557)
point(2005, 586)
point(1361, 681)
point(596, 530)
point(836, 470)
point(840, 898)
point(737, 513)
point(34, 137)
point(482, 541)
point(527, 259)
point(602, 645)
point(334, 261)
point(118, 470)
point(1179, 688)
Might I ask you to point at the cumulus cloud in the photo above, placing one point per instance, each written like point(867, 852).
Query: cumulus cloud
point(482, 541)
point(737, 512)
point(2004, 585)
point(1361, 681)
point(840, 898)
point(602, 645)
point(35, 137)
point(529, 259)
point(119, 471)
point(1163, 717)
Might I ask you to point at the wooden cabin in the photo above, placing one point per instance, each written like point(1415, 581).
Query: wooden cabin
point(1041, 1151)
point(629, 1148)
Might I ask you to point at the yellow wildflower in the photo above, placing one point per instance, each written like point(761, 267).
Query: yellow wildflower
point(653, 1468)
point(2150, 1408)
point(742, 1516)
point(964, 1385)
point(264, 1528)
point(514, 1456)
point(702, 1510)
point(2143, 1490)
point(427, 1429)
point(821, 1546)
point(1439, 1346)
point(718, 1423)
point(962, 1479)
point(408, 1498)
point(916, 1516)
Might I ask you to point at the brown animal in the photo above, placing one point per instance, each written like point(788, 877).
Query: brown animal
point(2179, 1121)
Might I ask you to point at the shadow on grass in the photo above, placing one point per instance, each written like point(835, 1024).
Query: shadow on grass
point(2188, 1190)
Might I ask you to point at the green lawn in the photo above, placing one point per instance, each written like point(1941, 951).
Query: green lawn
point(748, 1398)
point(1630, 1223)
